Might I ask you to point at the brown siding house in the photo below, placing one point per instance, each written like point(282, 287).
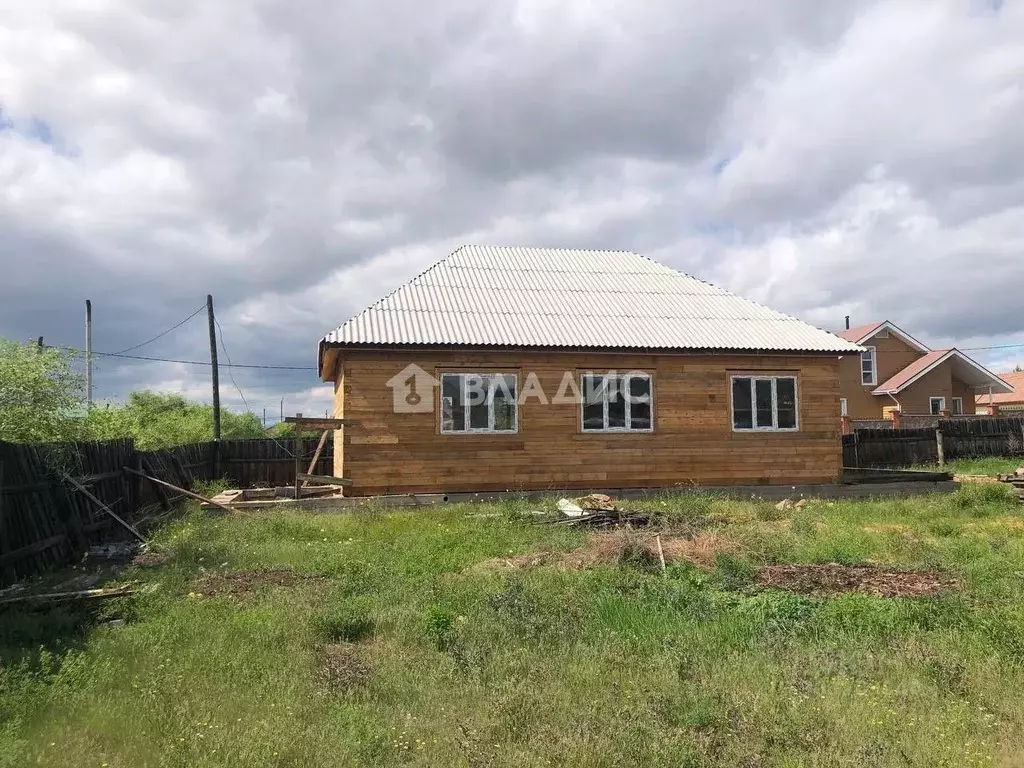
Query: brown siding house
point(898, 372)
point(531, 369)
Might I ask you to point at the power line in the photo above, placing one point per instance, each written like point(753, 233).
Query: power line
point(189, 362)
point(231, 375)
point(161, 335)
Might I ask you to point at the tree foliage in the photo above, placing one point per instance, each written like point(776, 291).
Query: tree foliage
point(42, 399)
point(157, 420)
point(40, 393)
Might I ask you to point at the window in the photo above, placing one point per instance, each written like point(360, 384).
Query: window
point(764, 403)
point(868, 369)
point(617, 403)
point(958, 406)
point(843, 409)
point(936, 405)
point(479, 402)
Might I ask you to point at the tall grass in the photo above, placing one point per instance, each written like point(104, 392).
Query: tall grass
point(443, 662)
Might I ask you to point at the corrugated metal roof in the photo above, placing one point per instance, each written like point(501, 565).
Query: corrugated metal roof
point(551, 297)
point(860, 332)
point(1016, 380)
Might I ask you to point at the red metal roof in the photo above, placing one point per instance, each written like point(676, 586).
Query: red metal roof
point(895, 383)
point(1016, 380)
point(858, 333)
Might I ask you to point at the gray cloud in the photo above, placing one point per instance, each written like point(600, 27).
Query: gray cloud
point(298, 160)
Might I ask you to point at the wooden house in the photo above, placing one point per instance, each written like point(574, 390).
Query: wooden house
point(503, 369)
point(898, 372)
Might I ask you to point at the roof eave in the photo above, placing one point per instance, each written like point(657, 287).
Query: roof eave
point(326, 344)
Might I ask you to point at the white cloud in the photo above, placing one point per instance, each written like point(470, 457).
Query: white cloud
point(299, 160)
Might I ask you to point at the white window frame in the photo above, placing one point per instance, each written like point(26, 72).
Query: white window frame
point(957, 411)
point(775, 403)
point(489, 429)
point(942, 405)
point(622, 377)
point(871, 354)
point(844, 407)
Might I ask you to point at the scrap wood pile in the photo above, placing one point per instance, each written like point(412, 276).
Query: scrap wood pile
point(1017, 481)
point(597, 510)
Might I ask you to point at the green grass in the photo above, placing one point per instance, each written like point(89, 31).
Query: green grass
point(399, 649)
point(992, 465)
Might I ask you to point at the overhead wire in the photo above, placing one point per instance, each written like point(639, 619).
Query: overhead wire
point(161, 335)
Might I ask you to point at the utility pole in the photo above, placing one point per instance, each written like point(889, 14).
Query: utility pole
point(39, 346)
point(282, 409)
point(88, 352)
point(216, 386)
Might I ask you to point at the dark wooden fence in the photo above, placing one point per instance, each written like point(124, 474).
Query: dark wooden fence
point(262, 462)
point(959, 438)
point(46, 522)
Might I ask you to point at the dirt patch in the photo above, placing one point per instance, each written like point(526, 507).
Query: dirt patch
point(343, 666)
point(887, 528)
point(835, 579)
point(242, 582)
point(150, 559)
point(613, 547)
point(975, 479)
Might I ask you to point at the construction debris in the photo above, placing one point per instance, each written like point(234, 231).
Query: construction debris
point(569, 508)
point(1017, 481)
point(596, 501)
point(84, 594)
point(612, 518)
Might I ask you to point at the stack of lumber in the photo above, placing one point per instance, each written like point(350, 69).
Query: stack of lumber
point(1017, 481)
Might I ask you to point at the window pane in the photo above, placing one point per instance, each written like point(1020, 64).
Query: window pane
point(504, 402)
point(958, 406)
point(639, 402)
point(593, 416)
point(593, 389)
point(867, 366)
point(785, 393)
point(639, 388)
point(640, 415)
point(616, 396)
point(742, 415)
point(453, 416)
point(937, 404)
point(763, 402)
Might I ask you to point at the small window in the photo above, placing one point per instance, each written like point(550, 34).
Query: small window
point(936, 405)
point(479, 402)
point(617, 403)
point(868, 368)
point(843, 407)
point(764, 403)
point(958, 406)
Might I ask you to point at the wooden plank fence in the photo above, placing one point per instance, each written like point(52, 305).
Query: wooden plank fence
point(958, 438)
point(270, 462)
point(45, 522)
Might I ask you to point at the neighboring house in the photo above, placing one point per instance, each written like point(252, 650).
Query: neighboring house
point(896, 371)
point(683, 382)
point(1005, 401)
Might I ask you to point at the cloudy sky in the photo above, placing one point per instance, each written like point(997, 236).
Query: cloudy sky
point(300, 159)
